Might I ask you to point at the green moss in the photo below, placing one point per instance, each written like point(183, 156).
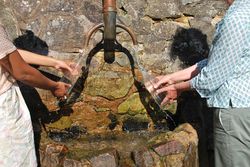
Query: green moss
point(63, 123)
point(102, 109)
point(172, 107)
point(132, 106)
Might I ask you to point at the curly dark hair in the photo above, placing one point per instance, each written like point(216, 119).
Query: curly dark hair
point(30, 42)
point(190, 46)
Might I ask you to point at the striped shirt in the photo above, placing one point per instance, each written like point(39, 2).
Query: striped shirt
point(224, 79)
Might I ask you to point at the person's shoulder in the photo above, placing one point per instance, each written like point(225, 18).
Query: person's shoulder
point(239, 14)
point(238, 17)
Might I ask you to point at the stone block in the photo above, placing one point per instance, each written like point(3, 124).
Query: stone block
point(168, 148)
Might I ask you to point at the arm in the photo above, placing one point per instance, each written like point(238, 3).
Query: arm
point(181, 75)
point(21, 71)
point(185, 74)
point(36, 59)
point(225, 56)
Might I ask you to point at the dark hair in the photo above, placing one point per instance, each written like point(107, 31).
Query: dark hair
point(28, 41)
point(190, 46)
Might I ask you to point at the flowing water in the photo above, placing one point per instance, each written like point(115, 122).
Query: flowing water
point(149, 81)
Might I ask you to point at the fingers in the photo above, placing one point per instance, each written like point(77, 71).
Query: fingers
point(67, 86)
point(164, 89)
point(66, 67)
point(63, 66)
point(164, 101)
point(162, 80)
point(69, 68)
point(167, 101)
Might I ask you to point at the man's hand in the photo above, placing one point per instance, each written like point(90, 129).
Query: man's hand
point(60, 90)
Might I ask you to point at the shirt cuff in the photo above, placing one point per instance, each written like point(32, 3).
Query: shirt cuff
point(202, 64)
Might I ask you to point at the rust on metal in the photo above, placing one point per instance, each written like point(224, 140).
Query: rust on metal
point(129, 31)
point(91, 32)
point(109, 5)
point(109, 25)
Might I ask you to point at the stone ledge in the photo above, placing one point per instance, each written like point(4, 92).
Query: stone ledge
point(161, 150)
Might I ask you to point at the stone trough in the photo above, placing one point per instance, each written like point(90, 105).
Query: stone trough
point(176, 148)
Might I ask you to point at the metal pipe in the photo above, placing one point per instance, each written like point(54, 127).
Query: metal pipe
point(131, 33)
point(91, 32)
point(99, 26)
point(109, 5)
point(109, 18)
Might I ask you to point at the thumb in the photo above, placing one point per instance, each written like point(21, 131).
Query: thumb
point(67, 86)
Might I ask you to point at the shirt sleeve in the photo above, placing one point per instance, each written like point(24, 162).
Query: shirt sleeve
point(201, 64)
point(6, 46)
point(225, 54)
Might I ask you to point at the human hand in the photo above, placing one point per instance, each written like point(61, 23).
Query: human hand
point(76, 68)
point(60, 91)
point(63, 66)
point(162, 80)
point(171, 94)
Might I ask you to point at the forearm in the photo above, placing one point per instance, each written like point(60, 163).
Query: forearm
point(185, 74)
point(36, 59)
point(34, 78)
point(183, 86)
point(21, 71)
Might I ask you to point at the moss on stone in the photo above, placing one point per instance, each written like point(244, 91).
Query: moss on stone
point(110, 85)
point(102, 109)
point(172, 107)
point(132, 106)
point(63, 123)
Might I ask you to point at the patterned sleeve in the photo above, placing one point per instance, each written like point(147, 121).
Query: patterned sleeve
point(6, 46)
point(225, 55)
point(201, 64)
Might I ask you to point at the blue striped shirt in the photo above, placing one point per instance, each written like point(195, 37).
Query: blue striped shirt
point(224, 79)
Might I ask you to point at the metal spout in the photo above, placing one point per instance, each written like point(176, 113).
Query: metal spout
point(109, 17)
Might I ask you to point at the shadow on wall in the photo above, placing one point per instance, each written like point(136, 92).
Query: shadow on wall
point(38, 111)
point(190, 46)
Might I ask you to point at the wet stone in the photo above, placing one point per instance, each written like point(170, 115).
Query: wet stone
point(135, 149)
point(53, 155)
point(171, 147)
point(74, 163)
point(107, 159)
point(192, 154)
point(132, 124)
point(67, 134)
point(143, 158)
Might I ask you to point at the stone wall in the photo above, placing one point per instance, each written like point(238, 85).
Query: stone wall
point(111, 88)
point(112, 97)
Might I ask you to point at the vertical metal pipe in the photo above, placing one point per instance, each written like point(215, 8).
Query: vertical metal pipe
point(109, 18)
